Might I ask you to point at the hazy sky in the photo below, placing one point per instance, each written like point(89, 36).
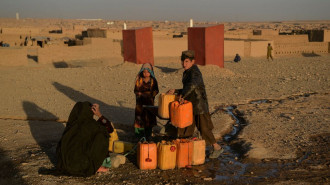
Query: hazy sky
point(180, 10)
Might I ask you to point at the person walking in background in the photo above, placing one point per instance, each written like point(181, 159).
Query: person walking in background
point(194, 91)
point(146, 88)
point(269, 52)
point(237, 58)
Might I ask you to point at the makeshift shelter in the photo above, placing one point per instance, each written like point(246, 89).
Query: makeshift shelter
point(101, 33)
point(315, 35)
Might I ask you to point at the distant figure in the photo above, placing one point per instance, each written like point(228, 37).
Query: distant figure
point(237, 58)
point(25, 41)
point(2, 44)
point(269, 52)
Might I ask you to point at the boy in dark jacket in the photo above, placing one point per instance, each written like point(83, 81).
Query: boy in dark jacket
point(194, 91)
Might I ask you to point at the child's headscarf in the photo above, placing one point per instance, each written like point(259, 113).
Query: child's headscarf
point(146, 66)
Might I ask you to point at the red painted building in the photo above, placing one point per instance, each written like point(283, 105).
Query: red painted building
point(138, 45)
point(208, 44)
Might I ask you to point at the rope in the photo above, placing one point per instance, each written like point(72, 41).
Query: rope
point(134, 148)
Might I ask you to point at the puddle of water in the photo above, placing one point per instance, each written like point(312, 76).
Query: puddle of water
point(229, 167)
point(233, 168)
point(260, 101)
point(236, 127)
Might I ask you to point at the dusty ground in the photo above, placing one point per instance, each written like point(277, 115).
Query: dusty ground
point(284, 138)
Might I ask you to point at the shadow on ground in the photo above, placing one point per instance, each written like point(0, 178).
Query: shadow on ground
point(44, 128)
point(166, 69)
point(61, 64)
point(310, 54)
point(33, 57)
point(121, 116)
point(9, 173)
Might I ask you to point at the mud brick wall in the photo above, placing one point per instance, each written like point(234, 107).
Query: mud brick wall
point(269, 32)
point(283, 38)
point(169, 47)
point(11, 39)
point(114, 34)
point(255, 48)
point(237, 36)
point(326, 35)
point(290, 39)
point(173, 48)
point(298, 48)
point(22, 31)
point(247, 49)
point(259, 48)
point(99, 48)
point(106, 47)
point(13, 56)
point(233, 47)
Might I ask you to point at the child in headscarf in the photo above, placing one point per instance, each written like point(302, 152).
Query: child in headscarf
point(146, 88)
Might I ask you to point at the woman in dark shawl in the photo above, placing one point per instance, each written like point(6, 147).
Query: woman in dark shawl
point(85, 141)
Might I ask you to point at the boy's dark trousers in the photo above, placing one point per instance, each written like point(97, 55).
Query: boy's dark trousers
point(204, 125)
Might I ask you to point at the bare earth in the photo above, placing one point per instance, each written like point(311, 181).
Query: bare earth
point(283, 106)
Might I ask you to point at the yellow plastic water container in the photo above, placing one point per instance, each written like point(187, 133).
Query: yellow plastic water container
point(122, 147)
point(198, 153)
point(164, 101)
point(113, 138)
point(166, 154)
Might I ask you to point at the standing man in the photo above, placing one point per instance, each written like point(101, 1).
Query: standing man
point(269, 52)
point(194, 91)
